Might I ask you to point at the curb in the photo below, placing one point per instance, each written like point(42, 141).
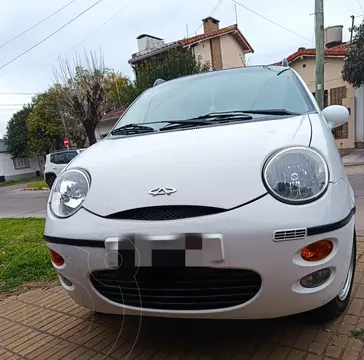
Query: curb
point(35, 189)
point(354, 164)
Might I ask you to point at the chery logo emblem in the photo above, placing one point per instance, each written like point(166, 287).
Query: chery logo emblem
point(162, 191)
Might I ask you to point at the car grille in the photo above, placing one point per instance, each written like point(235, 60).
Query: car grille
point(162, 213)
point(168, 288)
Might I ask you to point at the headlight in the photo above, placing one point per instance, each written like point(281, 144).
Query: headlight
point(68, 192)
point(296, 175)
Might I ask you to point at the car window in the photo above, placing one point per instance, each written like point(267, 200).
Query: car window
point(69, 155)
point(246, 88)
point(57, 158)
point(62, 157)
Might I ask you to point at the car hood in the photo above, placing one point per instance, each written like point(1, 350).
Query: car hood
point(218, 166)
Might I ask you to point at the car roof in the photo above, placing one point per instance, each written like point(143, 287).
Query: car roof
point(63, 151)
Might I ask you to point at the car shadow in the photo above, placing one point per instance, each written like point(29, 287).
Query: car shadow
point(217, 338)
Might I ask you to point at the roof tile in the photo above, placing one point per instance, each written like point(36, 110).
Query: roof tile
point(193, 40)
point(114, 114)
point(201, 37)
point(339, 50)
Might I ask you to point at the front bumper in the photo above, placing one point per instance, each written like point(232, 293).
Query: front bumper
point(85, 242)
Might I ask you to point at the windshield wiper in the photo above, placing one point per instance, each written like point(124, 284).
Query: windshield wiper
point(200, 121)
point(132, 129)
point(206, 119)
point(225, 114)
point(271, 112)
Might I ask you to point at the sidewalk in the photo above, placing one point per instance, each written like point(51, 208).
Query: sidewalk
point(352, 157)
point(47, 325)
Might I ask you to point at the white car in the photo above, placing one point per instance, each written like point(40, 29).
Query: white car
point(56, 162)
point(216, 195)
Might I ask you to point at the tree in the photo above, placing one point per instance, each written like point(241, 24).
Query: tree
point(48, 124)
point(17, 137)
point(175, 64)
point(353, 70)
point(82, 91)
point(120, 91)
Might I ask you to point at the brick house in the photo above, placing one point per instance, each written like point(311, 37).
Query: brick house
point(222, 47)
point(337, 91)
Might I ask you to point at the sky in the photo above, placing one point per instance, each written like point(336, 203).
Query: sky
point(113, 25)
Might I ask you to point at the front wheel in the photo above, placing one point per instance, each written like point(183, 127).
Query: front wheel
point(50, 180)
point(338, 305)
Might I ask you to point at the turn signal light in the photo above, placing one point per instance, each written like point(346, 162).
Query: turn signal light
point(317, 251)
point(56, 258)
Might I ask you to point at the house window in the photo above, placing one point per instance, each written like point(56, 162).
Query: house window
point(21, 163)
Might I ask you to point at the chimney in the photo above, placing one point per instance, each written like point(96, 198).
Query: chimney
point(149, 42)
point(210, 24)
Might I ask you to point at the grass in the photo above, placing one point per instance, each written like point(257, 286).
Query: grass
point(24, 256)
point(38, 185)
point(358, 334)
point(14, 182)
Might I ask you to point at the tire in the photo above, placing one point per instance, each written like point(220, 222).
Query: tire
point(338, 305)
point(50, 180)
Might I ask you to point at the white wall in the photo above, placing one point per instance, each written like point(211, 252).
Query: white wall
point(104, 127)
point(203, 49)
point(359, 114)
point(231, 51)
point(8, 170)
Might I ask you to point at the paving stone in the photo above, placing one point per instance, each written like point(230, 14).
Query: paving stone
point(46, 324)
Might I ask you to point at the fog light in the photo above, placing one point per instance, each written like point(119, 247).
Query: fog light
point(317, 251)
point(65, 281)
point(315, 279)
point(56, 258)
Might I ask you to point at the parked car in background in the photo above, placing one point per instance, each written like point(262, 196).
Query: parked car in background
point(55, 163)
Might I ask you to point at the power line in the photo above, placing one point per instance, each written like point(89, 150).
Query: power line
point(271, 21)
point(5, 93)
point(11, 104)
point(88, 36)
point(361, 8)
point(38, 23)
point(49, 36)
point(107, 21)
point(219, 2)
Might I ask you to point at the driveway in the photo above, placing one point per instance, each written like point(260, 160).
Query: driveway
point(17, 203)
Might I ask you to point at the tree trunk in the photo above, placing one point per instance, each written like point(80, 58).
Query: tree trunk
point(90, 131)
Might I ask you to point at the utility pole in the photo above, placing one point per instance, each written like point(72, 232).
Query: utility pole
point(320, 48)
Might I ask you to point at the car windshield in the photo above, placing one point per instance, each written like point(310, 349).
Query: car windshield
point(243, 89)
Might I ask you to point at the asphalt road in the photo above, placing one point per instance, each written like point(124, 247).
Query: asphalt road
point(14, 202)
point(17, 203)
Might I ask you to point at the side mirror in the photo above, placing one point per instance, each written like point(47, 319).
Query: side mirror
point(335, 115)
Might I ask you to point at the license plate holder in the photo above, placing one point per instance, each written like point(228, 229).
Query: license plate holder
point(182, 250)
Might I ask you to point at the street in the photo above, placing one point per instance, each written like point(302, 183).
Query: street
point(17, 203)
